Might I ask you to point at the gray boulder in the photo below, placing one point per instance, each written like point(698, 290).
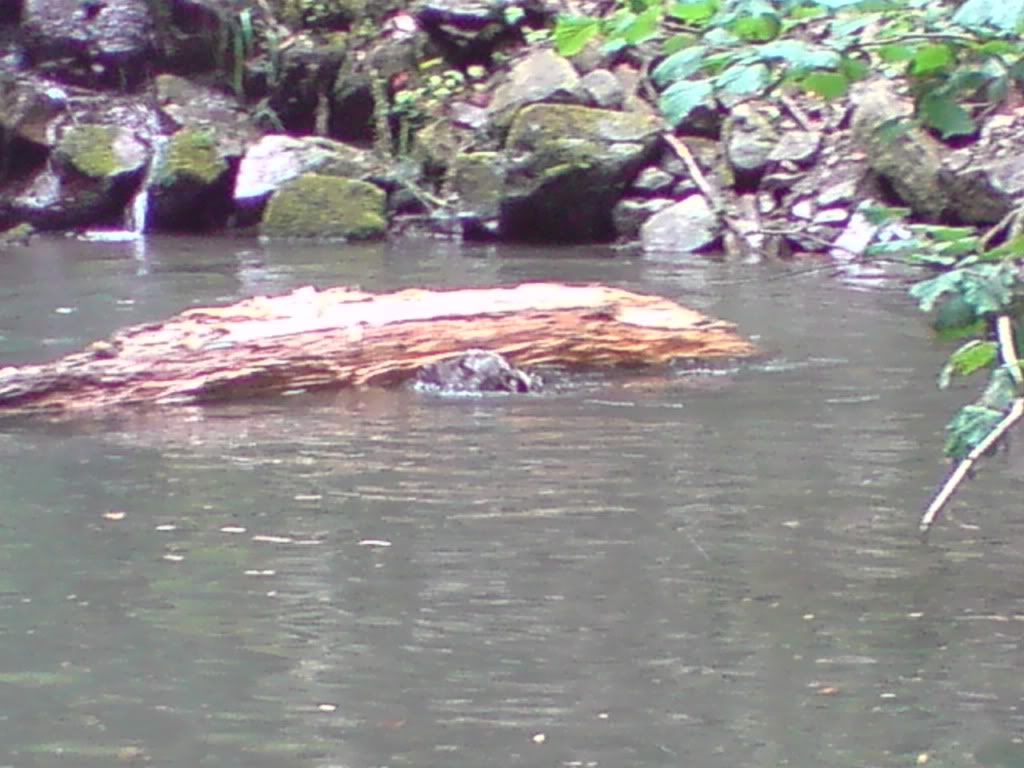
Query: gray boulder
point(190, 185)
point(630, 213)
point(567, 167)
point(477, 370)
point(94, 172)
point(277, 159)
point(542, 76)
point(688, 226)
point(96, 42)
point(984, 194)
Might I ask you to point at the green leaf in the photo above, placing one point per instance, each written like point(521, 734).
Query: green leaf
point(880, 215)
point(854, 69)
point(696, 12)
point(679, 65)
point(1001, 390)
point(1004, 16)
point(999, 48)
point(1011, 249)
point(797, 53)
point(987, 287)
point(680, 99)
point(968, 428)
point(972, 356)
point(927, 292)
point(678, 43)
point(932, 58)
point(896, 53)
point(827, 85)
point(760, 28)
point(572, 33)
point(944, 234)
point(744, 80)
point(955, 316)
point(644, 27)
point(940, 112)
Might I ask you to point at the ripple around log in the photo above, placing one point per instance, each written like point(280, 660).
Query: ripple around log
point(308, 340)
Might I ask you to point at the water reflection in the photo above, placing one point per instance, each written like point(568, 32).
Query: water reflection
point(685, 567)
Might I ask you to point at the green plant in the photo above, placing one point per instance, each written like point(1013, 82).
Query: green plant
point(977, 297)
point(412, 107)
point(957, 61)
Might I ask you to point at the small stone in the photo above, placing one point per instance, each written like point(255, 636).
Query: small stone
point(803, 209)
point(539, 738)
point(796, 147)
point(831, 216)
point(652, 181)
point(842, 192)
point(630, 213)
point(684, 227)
point(601, 88)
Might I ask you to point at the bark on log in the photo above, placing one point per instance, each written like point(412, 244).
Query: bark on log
point(309, 340)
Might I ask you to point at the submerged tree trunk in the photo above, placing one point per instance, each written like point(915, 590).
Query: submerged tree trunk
point(310, 339)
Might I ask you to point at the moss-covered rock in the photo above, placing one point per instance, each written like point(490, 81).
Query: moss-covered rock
point(191, 184)
point(326, 208)
point(101, 152)
point(905, 155)
point(191, 156)
point(477, 181)
point(568, 166)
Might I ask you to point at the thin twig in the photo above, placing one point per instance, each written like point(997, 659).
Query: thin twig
point(797, 113)
point(964, 466)
point(1008, 352)
point(695, 172)
point(994, 231)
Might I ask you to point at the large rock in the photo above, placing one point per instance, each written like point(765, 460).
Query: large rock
point(750, 136)
point(477, 181)
point(277, 159)
point(184, 103)
point(984, 194)
point(190, 186)
point(568, 166)
point(326, 208)
point(542, 76)
point(94, 173)
point(630, 213)
point(688, 226)
point(93, 43)
point(907, 157)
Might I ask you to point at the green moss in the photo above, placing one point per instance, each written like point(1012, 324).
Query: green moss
point(326, 207)
point(192, 153)
point(89, 149)
point(542, 123)
point(478, 180)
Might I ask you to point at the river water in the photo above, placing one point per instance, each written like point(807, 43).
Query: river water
point(686, 567)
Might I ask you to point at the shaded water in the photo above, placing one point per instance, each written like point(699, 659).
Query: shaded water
point(670, 568)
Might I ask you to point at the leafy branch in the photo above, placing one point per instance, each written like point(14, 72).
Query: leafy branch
point(957, 61)
point(977, 297)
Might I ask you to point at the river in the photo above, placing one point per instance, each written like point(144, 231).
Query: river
point(712, 567)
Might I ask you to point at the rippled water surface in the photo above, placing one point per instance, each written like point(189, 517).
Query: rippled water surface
point(664, 568)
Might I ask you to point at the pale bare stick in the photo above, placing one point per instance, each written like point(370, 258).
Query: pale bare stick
point(964, 466)
point(695, 172)
point(796, 112)
point(1008, 352)
point(1008, 349)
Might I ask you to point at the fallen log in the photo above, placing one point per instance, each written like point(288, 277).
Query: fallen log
point(311, 340)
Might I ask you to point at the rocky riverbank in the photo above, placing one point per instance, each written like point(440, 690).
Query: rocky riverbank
point(355, 119)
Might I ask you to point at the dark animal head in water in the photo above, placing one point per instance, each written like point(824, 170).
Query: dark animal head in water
point(476, 370)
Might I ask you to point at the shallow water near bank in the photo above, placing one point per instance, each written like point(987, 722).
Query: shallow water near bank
point(707, 566)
